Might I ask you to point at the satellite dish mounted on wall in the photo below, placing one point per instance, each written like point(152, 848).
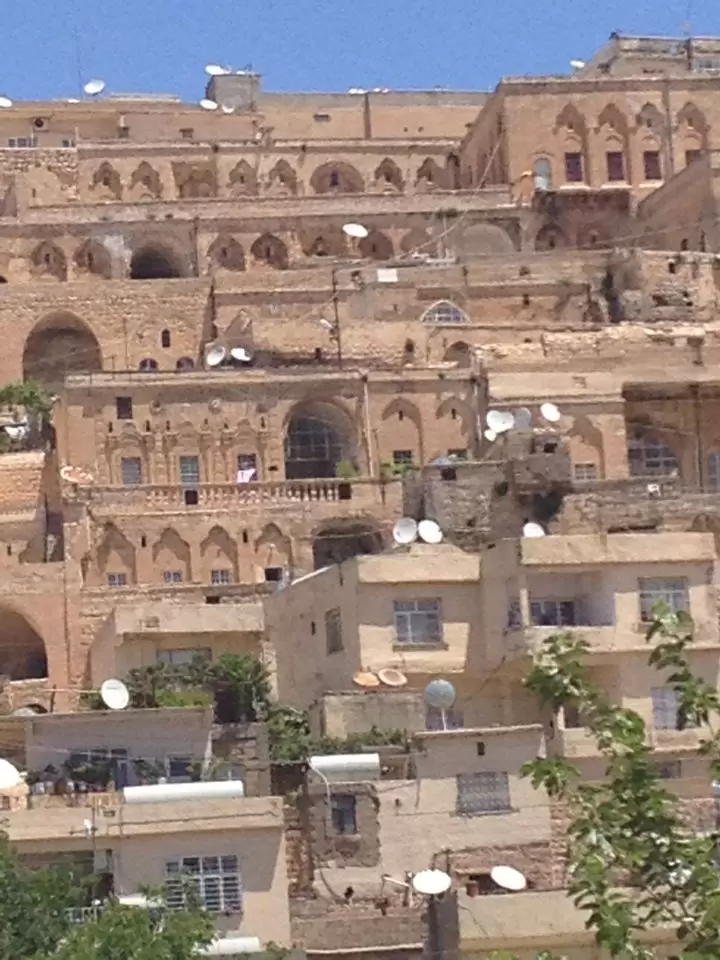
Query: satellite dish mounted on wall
point(405, 531)
point(227, 108)
point(366, 679)
point(94, 88)
point(209, 104)
point(508, 878)
point(500, 421)
point(392, 677)
point(214, 356)
point(533, 531)
point(490, 435)
point(550, 412)
point(115, 695)
point(431, 883)
point(9, 775)
point(355, 230)
point(440, 694)
point(430, 532)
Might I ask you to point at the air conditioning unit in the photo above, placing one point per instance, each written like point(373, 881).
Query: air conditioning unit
point(40, 123)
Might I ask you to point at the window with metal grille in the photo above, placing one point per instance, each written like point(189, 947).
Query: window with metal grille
point(333, 630)
point(650, 457)
point(22, 142)
point(418, 621)
point(584, 472)
point(172, 576)
point(713, 471)
point(479, 793)
point(189, 470)
point(574, 168)
point(444, 311)
point(117, 579)
point(553, 613)
point(674, 593)
point(179, 769)
point(651, 165)
point(221, 577)
point(115, 757)
point(615, 165)
point(343, 808)
point(131, 471)
point(665, 703)
point(215, 880)
point(184, 655)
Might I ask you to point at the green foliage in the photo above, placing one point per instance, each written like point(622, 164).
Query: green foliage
point(28, 394)
point(346, 470)
point(291, 739)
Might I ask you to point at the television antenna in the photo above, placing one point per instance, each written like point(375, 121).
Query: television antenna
point(405, 531)
point(115, 695)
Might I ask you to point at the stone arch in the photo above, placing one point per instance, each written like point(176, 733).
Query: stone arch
point(227, 253)
point(58, 345)
point(337, 177)
point(282, 180)
point(651, 118)
point(154, 262)
point(456, 424)
point(271, 251)
point(146, 183)
point(401, 430)
point(482, 239)
point(649, 455)
point(148, 365)
point(376, 246)
point(243, 181)
point(613, 134)
point(218, 551)
point(542, 173)
point(116, 556)
point(318, 436)
point(92, 257)
point(171, 557)
point(388, 176)
point(459, 353)
point(194, 182)
point(339, 540)
point(593, 236)
point(572, 133)
point(692, 132)
point(106, 182)
point(48, 261)
point(185, 363)
point(444, 312)
point(273, 549)
point(549, 237)
point(22, 649)
point(329, 242)
point(417, 241)
point(430, 175)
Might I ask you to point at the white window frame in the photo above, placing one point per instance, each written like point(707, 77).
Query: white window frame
point(674, 591)
point(116, 580)
point(554, 613)
point(444, 313)
point(217, 881)
point(483, 793)
point(221, 577)
point(585, 472)
point(418, 621)
point(189, 469)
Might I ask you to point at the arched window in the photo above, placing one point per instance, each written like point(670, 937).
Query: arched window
point(713, 470)
point(185, 363)
point(444, 312)
point(648, 456)
point(165, 338)
point(148, 365)
point(542, 174)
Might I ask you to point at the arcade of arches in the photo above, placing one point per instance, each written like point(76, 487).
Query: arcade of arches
point(22, 651)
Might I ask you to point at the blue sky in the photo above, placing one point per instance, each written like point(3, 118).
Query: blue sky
point(162, 46)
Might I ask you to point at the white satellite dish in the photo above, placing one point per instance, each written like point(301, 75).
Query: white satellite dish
point(356, 230)
point(226, 108)
point(533, 531)
point(500, 421)
point(115, 695)
point(577, 64)
point(550, 412)
point(16, 431)
point(523, 418)
point(431, 883)
point(392, 677)
point(405, 530)
point(5, 102)
point(215, 356)
point(209, 104)
point(241, 354)
point(9, 775)
point(94, 87)
point(215, 70)
point(508, 878)
point(490, 435)
point(429, 531)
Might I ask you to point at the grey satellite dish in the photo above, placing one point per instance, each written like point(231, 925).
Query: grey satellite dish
point(523, 418)
point(431, 883)
point(550, 412)
point(241, 354)
point(508, 878)
point(440, 694)
point(215, 356)
point(442, 462)
point(94, 88)
point(9, 775)
point(490, 435)
point(429, 531)
point(500, 421)
point(115, 695)
point(533, 531)
point(209, 104)
point(215, 70)
point(405, 531)
point(356, 230)
point(5, 102)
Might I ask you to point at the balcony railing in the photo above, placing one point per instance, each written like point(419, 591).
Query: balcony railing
point(80, 915)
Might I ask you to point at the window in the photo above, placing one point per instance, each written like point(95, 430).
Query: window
point(574, 167)
point(479, 793)
point(666, 712)
point(584, 472)
point(165, 338)
point(216, 881)
point(172, 576)
point(247, 468)
point(650, 457)
point(333, 630)
point(184, 655)
point(552, 613)
point(418, 621)
point(403, 457)
point(343, 808)
point(691, 156)
point(185, 363)
point(68, 141)
point(651, 165)
point(274, 574)
point(148, 365)
point(674, 593)
point(713, 471)
point(221, 577)
point(444, 312)
point(117, 579)
point(615, 165)
point(187, 133)
point(22, 142)
point(322, 118)
point(131, 471)
point(116, 758)
point(123, 408)
point(189, 470)
point(179, 769)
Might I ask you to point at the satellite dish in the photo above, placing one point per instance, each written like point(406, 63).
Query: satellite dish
point(24, 712)
point(215, 70)
point(523, 418)
point(431, 882)
point(94, 87)
point(500, 421)
point(5, 102)
point(429, 531)
point(364, 678)
point(550, 412)
point(209, 104)
point(215, 356)
point(241, 354)
point(440, 694)
point(508, 878)
point(115, 694)
point(405, 530)
point(577, 64)
point(533, 531)
point(16, 431)
point(392, 677)
point(356, 230)
point(490, 435)
point(227, 108)
point(9, 775)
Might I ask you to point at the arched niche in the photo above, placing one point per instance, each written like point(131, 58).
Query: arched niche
point(455, 424)
point(613, 135)
point(329, 242)
point(153, 262)
point(594, 236)
point(282, 180)
point(444, 312)
point(227, 253)
point(48, 262)
point(106, 182)
point(417, 241)
point(692, 132)
point(58, 345)
point(243, 181)
point(430, 176)
point(337, 177)
point(542, 173)
point(194, 182)
point(318, 436)
point(93, 258)
point(146, 183)
point(270, 251)
point(376, 246)
point(339, 540)
point(549, 237)
point(388, 176)
point(219, 557)
point(116, 558)
point(572, 138)
point(273, 550)
point(171, 558)
point(401, 431)
point(22, 650)
point(459, 353)
point(483, 239)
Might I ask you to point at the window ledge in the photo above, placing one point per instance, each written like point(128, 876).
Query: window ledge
point(420, 646)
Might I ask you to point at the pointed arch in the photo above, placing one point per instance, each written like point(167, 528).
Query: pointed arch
point(388, 176)
point(219, 557)
point(146, 183)
point(455, 420)
point(60, 344)
point(116, 557)
point(328, 242)
point(481, 239)
point(194, 182)
point(401, 431)
point(444, 312)
point(171, 557)
point(282, 179)
point(155, 262)
point(572, 133)
point(542, 173)
point(376, 246)
point(270, 251)
point(106, 182)
point(93, 258)
point(273, 549)
point(692, 132)
point(650, 119)
point(227, 253)
point(459, 353)
point(243, 181)
point(23, 655)
point(337, 177)
point(319, 435)
point(613, 135)
point(417, 241)
point(430, 175)
point(48, 261)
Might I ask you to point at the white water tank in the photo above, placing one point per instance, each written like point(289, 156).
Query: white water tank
point(231, 947)
point(347, 767)
point(167, 792)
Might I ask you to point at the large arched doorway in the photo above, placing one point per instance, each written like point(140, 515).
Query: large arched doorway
point(340, 541)
point(319, 436)
point(22, 651)
point(59, 345)
point(154, 263)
